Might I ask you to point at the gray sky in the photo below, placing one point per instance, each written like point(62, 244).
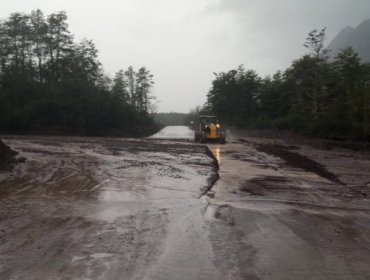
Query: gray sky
point(184, 41)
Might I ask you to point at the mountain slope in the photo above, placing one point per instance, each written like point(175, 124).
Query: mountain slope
point(358, 38)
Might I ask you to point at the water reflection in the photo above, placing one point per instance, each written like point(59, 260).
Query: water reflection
point(217, 154)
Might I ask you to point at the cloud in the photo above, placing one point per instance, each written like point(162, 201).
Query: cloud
point(184, 41)
point(269, 34)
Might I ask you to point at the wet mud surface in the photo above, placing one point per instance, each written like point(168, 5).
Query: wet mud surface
point(296, 160)
point(285, 210)
point(90, 208)
point(160, 208)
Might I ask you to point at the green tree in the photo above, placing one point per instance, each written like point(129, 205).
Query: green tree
point(315, 42)
point(18, 44)
point(308, 77)
point(349, 70)
point(81, 63)
point(39, 30)
point(144, 83)
point(314, 95)
point(59, 43)
point(119, 87)
point(131, 86)
point(352, 90)
point(234, 95)
point(275, 99)
point(47, 82)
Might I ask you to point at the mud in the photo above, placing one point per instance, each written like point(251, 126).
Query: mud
point(95, 208)
point(167, 208)
point(296, 160)
point(260, 185)
point(7, 156)
point(289, 243)
point(287, 210)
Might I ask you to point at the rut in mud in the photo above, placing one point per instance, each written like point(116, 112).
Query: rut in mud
point(296, 160)
point(299, 161)
point(290, 211)
point(100, 208)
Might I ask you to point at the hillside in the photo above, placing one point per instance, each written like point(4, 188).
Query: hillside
point(358, 38)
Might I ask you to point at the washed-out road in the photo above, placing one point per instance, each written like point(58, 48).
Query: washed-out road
point(165, 207)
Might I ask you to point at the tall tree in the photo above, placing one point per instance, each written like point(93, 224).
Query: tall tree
point(233, 95)
point(18, 48)
point(119, 87)
point(309, 76)
point(131, 86)
point(348, 66)
point(144, 83)
point(59, 42)
point(39, 30)
point(49, 81)
point(81, 63)
point(315, 42)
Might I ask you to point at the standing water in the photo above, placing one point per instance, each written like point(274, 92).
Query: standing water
point(174, 132)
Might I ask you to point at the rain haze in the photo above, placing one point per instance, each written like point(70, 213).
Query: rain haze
point(267, 180)
point(184, 42)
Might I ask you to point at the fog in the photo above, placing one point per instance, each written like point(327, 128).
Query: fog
point(184, 42)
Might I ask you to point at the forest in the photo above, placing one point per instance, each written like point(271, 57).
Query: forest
point(171, 118)
point(317, 95)
point(53, 85)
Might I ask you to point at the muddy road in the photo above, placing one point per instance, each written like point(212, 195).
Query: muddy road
point(100, 208)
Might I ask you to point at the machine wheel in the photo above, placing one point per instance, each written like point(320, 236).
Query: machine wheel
point(222, 140)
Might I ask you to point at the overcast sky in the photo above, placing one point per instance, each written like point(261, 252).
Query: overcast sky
point(184, 41)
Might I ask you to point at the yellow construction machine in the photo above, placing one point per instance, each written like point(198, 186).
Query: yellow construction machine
point(209, 129)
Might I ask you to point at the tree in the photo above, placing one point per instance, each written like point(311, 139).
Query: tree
point(234, 94)
point(144, 83)
point(315, 42)
point(47, 81)
point(131, 86)
point(248, 96)
point(308, 77)
point(220, 96)
point(80, 63)
point(314, 95)
point(275, 99)
point(119, 87)
point(18, 51)
point(39, 30)
point(353, 91)
point(348, 67)
point(138, 87)
point(103, 81)
point(59, 42)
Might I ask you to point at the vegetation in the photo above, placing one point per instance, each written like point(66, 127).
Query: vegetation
point(51, 84)
point(193, 116)
point(171, 118)
point(315, 95)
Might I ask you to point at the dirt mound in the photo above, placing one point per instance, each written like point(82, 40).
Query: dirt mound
point(299, 161)
point(6, 155)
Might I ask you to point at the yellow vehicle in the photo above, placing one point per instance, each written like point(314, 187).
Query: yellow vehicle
point(209, 129)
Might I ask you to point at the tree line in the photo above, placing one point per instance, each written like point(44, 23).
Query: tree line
point(316, 95)
point(171, 118)
point(51, 84)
